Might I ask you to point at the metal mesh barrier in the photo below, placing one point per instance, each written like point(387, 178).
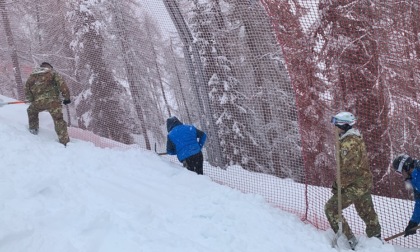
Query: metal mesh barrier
point(261, 78)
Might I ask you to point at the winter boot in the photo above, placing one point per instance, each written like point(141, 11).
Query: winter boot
point(34, 131)
point(353, 242)
point(64, 140)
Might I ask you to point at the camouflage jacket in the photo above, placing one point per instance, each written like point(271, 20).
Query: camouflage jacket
point(354, 163)
point(45, 84)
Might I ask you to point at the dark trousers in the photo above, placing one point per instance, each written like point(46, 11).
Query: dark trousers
point(194, 163)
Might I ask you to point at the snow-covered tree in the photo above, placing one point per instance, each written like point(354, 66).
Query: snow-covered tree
point(399, 70)
point(259, 64)
point(128, 35)
point(298, 47)
point(178, 81)
point(232, 117)
point(103, 98)
point(12, 49)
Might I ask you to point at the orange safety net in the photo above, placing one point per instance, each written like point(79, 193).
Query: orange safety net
point(261, 78)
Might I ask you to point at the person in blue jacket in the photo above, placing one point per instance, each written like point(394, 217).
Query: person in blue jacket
point(409, 168)
point(182, 141)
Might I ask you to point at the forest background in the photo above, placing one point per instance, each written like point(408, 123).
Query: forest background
point(262, 78)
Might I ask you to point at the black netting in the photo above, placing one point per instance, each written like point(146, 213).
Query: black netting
point(261, 78)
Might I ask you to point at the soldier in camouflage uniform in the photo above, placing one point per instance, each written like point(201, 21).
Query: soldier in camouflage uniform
point(42, 90)
point(356, 180)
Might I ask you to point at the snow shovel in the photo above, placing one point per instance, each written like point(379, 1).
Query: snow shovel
point(340, 206)
point(399, 234)
point(160, 153)
point(10, 103)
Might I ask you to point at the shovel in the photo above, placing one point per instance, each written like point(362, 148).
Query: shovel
point(399, 234)
point(10, 103)
point(160, 153)
point(340, 206)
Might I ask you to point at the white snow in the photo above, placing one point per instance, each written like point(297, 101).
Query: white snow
point(85, 198)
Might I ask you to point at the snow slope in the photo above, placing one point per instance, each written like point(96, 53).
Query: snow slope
point(89, 199)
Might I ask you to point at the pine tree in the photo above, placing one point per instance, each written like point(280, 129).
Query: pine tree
point(298, 47)
point(267, 86)
point(104, 97)
point(232, 118)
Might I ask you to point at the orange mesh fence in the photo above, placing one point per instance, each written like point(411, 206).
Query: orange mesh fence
point(261, 77)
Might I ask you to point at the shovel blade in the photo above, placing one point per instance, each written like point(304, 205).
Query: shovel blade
point(340, 242)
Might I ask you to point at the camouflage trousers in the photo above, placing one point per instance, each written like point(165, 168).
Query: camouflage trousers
point(362, 201)
point(54, 108)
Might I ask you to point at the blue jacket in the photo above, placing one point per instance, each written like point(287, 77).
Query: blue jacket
point(182, 139)
point(415, 181)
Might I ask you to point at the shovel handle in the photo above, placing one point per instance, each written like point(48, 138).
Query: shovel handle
point(17, 102)
point(399, 234)
point(13, 102)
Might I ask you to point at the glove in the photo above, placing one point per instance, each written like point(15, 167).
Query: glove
point(411, 224)
point(334, 188)
point(65, 102)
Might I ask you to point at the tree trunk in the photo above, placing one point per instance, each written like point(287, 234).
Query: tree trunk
point(180, 84)
point(12, 47)
point(131, 73)
point(158, 72)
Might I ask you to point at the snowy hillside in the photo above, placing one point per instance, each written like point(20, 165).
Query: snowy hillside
point(89, 199)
